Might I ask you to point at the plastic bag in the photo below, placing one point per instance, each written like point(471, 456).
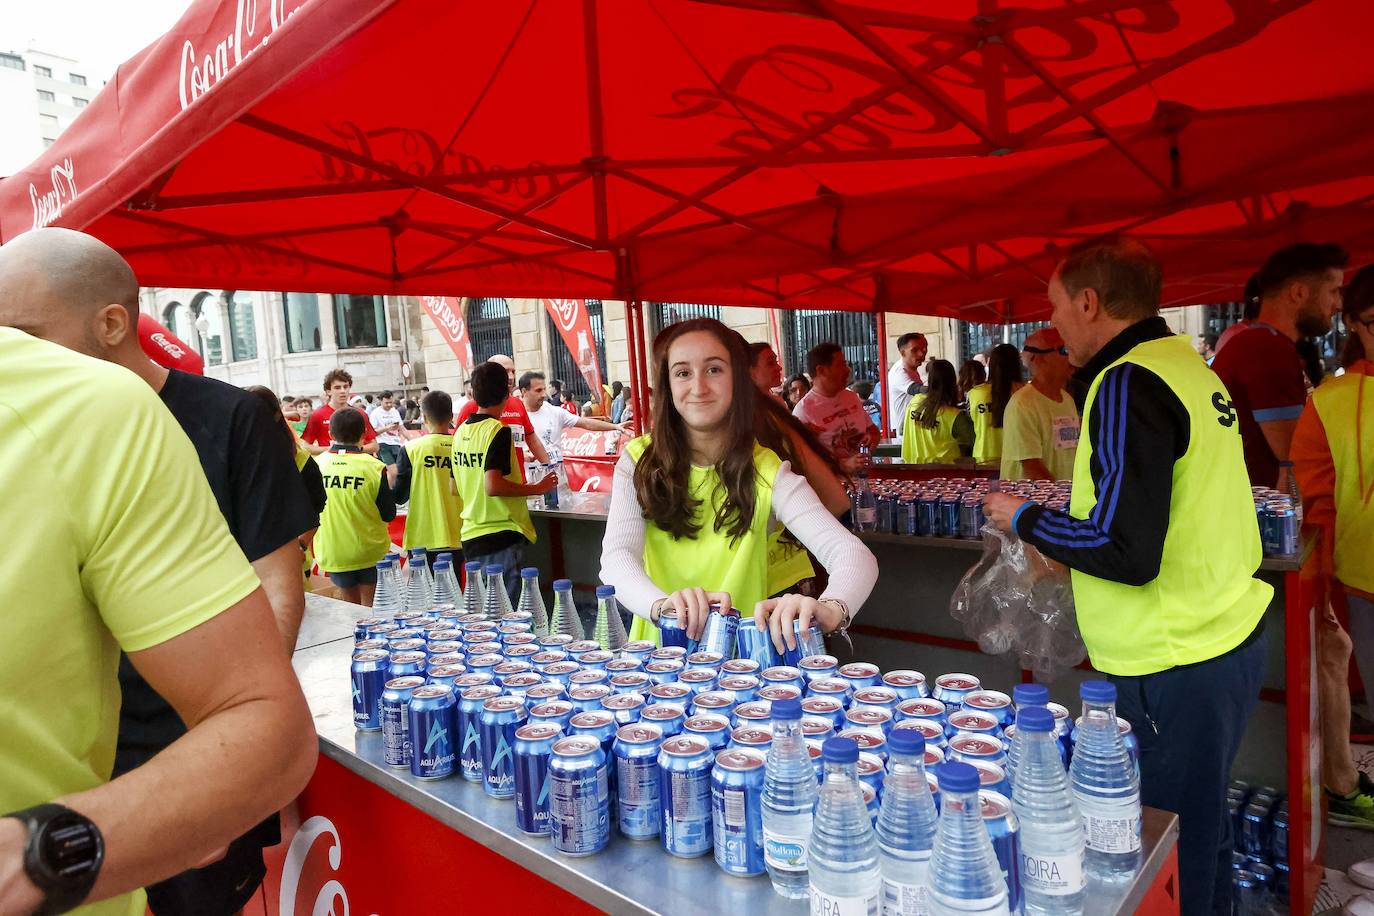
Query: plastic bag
point(1015, 600)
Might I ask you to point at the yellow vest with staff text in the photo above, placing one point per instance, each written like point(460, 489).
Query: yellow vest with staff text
point(1205, 600)
point(987, 439)
point(434, 514)
point(483, 514)
point(1337, 401)
point(352, 534)
point(929, 444)
point(709, 560)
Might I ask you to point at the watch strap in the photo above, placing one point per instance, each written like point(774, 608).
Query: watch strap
point(64, 884)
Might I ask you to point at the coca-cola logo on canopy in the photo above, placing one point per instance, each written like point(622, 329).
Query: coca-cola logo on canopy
point(47, 206)
point(565, 310)
point(201, 71)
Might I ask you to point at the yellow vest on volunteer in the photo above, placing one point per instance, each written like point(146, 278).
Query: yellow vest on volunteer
point(1205, 600)
point(483, 514)
point(788, 561)
point(987, 439)
point(352, 534)
point(926, 444)
point(434, 517)
point(1340, 402)
point(710, 560)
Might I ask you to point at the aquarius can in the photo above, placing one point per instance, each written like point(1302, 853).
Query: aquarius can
point(596, 659)
point(396, 720)
point(930, 729)
point(670, 653)
point(868, 718)
point(636, 761)
point(588, 697)
point(884, 698)
point(368, 672)
point(870, 770)
point(555, 712)
point(817, 727)
point(542, 660)
point(869, 742)
point(638, 649)
point(672, 632)
point(401, 664)
point(1003, 830)
point(684, 792)
point(992, 777)
point(364, 625)
point(497, 722)
point(579, 802)
point(587, 676)
point(740, 666)
point(951, 689)
point(432, 725)
point(631, 682)
point(809, 642)
point(623, 707)
point(624, 665)
point(667, 716)
point(543, 692)
point(783, 674)
point(751, 736)
point(699, 680)
point(776, 692)
point(722, 625)
point(581, 647)
point(970, 748)
point(756, 645)
point(444, 674)
point(705, 659)
point(736, 811)
point(470, 703)
point(924, 708)
point(533, 748)
point(994, 703)
point(714, 702)
point(675, 693)
point(517, 685)
point(407, 645)
point(972, 721)
point(835, 687)
point(814, 667)
point(714, 728)
point(859, 675)
point(756, 712)
point(742, 687)
point(363, 645)
point(554, 641)
point(664, 670)
point(472, 679)
point(908, 685)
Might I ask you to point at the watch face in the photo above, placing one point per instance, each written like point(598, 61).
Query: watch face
point(69, 847)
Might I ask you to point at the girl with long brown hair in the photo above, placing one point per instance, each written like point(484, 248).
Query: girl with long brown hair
point(692, 503)
point(987, 402)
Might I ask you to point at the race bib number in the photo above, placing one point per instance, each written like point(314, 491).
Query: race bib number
point(1064, 432)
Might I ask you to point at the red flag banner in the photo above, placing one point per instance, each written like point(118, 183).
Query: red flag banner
point(447, 314)
point(576, 327)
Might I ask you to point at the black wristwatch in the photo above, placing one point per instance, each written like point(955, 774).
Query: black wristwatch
point(63, 855)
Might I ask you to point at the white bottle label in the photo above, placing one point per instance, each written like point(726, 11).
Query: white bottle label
point(1112, 834)
point(900, 899)
point(1054, 875)
point(787, 853)
point(823, 904)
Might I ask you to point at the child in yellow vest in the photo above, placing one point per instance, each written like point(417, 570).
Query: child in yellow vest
point(353, 532)
point(424, 479)
point(486, 467)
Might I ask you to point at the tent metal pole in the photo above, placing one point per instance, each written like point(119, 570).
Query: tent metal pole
point(882, 373)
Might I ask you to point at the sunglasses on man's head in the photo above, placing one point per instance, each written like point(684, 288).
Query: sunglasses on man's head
point(1062, 351)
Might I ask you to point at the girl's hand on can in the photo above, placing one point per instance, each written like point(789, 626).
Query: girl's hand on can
point(776, 615)
point(693, 605)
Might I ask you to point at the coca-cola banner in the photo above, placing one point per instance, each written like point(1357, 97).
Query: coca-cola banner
point(576, 327)
point(165, 348)
point(447, 315)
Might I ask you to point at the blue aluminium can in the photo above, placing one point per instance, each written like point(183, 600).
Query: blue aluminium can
point(1003, 830)
point(498, 721)
point(908, 685)
point(364, 625)
point(714, 702)
point(401, 664)
point(368, 672)
point(994, 703)
point(684, 791)
point(928, 516)
point(743, 687)
point(950, 504)
point(722, 626)
point(675, 693)
point(588, 676)
point(782, 674)
point(543, 692)
point(558, 712)
point(470, 703)
point(972, 721)
point(471, 679)
point(884, 698)
point(639, 650)
point(517, 685)
point(816, 667)
point(1285, 526)
point(588, 697)
point(737, 812)
point(714, 728)
point(835, 687)
point(667, 716)
point(636, 775)
point(951, 689)
point(698, 680)
point(624, 665)
point(533, 746)
point(664, 670)
point(445, 674)
point(740, 666)
point(757, 646)
point(993, 778)
point(432, 726)
point(579, 812)
point(631, 682)
point(562, 672)
point(971, 517)
point(971, 748)
point(871, 772)
point(596, 660)
point(859, 675)
point(750, 736)
point(623, 707)
point(925, 708)
point(810, 641)
point(396, 721)
point(827, 708)
point(671, 632)
point(599, 724)
point(704, 659)
point(542, 660)
point(362, 645)
point(756, 712)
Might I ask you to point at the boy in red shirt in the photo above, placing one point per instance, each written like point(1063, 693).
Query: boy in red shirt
point(338, 385)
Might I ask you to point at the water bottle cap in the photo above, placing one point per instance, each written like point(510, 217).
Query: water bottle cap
point(1097, 692)
point(1034, 719)
point(844, 750)
point(907, 741)
point(530, 572)
point(493, 569)
point(562, 585)
point(383, 564)
point(789, 710)
point(605, 591)
point(442, 563)
point(473, 566)
point(418, 552)
point(1030, 695)
point(957, 777)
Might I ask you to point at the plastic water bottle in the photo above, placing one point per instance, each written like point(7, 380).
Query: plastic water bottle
point(906, 827)
point(495, 600)
point(532, 601)
point(1052, 877)
point(789, 795)
point(419, 590)
point(865, 502)
point(1023, 696)
point(386, 600)
point(565, 619)
point(1106, 787)
point(443, 588)
point(473, 598)
point(451, 586)
point(610, 629)
point(843, 856)
point(965, 876)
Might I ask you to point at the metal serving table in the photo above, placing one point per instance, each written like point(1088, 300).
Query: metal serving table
point(628, 877)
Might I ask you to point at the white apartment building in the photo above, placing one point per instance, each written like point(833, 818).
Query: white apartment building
point(40, 95)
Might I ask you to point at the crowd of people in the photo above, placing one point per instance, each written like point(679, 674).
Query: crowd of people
point(173, 556)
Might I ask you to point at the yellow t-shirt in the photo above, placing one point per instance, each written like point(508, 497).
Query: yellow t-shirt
point(1033, 426)
point(116, 543)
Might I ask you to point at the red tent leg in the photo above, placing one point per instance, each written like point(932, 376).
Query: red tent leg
point(882, 374)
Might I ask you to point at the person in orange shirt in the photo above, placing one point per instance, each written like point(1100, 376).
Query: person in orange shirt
point(1333, 460)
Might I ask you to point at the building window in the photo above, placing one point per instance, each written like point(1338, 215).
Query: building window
point(975, 338)
point(564, 366)
point(12, 61)
point(46, 96)
point(243, 331)
point(40, 70)
point(209, 307)
point(662, 314)
point(77, 79)
point(79, 102)
point(489, 328)
point(360, 321)
point(302, 314)
point(855, 332)
point(48, 123)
